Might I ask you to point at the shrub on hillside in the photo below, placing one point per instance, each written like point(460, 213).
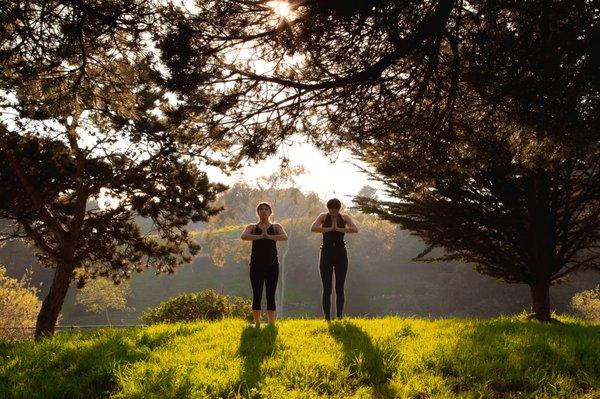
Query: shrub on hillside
point(204, 305)
point(587, 304)
point(19, 306)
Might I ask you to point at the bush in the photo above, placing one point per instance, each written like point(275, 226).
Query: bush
point(19, 306)
point(204, 305)
point(587, 304)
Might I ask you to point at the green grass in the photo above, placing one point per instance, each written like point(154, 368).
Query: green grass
point(389, 357)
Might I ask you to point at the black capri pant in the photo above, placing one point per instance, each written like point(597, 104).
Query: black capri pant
point(263, 275)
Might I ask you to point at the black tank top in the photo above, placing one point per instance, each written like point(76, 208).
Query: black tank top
point(333, 238)
point(264, 251)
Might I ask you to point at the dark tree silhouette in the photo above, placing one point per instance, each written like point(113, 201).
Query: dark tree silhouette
point(516, 190)
point(84, 117)
point(340, 72)
point(532, 220)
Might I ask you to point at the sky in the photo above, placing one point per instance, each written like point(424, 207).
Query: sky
point(327, 176)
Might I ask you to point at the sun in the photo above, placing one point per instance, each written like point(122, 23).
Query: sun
point(281, 8)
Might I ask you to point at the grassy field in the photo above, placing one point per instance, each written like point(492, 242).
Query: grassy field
point(361, 358)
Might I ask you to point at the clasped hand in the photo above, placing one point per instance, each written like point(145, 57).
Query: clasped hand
point(334, 225)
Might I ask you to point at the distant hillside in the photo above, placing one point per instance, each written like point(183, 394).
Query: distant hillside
point(382, 280)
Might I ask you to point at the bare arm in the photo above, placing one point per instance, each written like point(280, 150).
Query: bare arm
point(248, 236)
point(280, 234)
point(350, 226)
point(317, 226)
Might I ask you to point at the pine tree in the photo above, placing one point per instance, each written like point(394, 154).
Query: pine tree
point(91, 141)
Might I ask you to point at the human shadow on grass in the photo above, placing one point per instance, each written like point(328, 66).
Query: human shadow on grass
point(365, 360)
point(524, 357)
point(255, 346)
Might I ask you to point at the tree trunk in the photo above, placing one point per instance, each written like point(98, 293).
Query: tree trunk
point(46, 320)
point(107, 318)
point(540, 301)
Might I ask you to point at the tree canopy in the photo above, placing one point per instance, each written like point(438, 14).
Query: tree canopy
point(481, 117)
point(90, 139)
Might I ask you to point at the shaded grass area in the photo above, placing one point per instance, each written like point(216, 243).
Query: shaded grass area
point(382, 358)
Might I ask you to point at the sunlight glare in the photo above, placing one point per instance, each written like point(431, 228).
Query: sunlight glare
point(281, 8)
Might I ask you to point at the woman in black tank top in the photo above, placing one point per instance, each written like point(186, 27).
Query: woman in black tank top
point(264, 266)
point(333, 258)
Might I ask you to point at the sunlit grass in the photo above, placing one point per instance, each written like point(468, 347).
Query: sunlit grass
point(389, 357)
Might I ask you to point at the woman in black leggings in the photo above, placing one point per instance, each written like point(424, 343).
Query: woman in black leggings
point(334, 258)
point(264, 266)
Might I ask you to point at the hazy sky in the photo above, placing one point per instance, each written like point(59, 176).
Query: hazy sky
point(335, 175)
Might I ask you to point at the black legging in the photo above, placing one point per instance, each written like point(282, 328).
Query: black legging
point(267, 275)
point(333, 260)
